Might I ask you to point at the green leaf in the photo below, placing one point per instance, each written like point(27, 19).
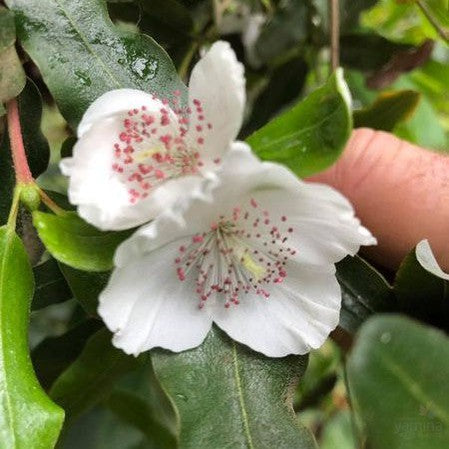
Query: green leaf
point(53, 355)
point(136, 412)
point(12, 76)
point(421, 294)
point(28, 418)
point(51, 286)
point(92, 376)
point(309, 137)
point(36, 146)
point(139, 400)
point(431, 80)
point(424, 128)
point(81, 54)
point(229, 396)
point(439, 10)
point(389, 109)
point(7, 29)
point(397, 374)
point(364, 292)
point(399, 22)
point(86, 287)
point(76, 243)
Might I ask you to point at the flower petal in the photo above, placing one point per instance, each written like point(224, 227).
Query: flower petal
point(217, 82)
point(296, 318)
point(102, 195)
point(110, 103)
point(426, 258)
point(325, 229)
point(146, 306)
point(118, 175)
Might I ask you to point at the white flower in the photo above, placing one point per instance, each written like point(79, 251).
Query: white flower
point(427, 260)
point(136, 154)
point(257, 259)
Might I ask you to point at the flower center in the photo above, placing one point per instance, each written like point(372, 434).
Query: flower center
point(239, 254)
point(153, 148)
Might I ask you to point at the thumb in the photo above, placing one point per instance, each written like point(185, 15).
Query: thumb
point(399, 191)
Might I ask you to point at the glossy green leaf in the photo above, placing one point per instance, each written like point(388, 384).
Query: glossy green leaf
point(76, 243)
point(51, 286)
point(81, 54)
point(36, 146)
point(397, 374)
point(364, 292)
point(421, 294)
point(28, 418)
point(91, 377)
point(229, 396)
point(309, 137)
point(53, 355)
point(12, 76)
point(86, 286)
point(389, 109)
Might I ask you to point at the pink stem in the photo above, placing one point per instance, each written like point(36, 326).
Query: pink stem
point(23, 173)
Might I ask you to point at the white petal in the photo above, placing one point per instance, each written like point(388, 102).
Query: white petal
point(110, 103)
point(218, 82)
point(102, 195)
point(297, 317)
point(146, 306)
point(325, 227)
point(426, 258)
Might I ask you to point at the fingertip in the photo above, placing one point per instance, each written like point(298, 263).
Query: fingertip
point(399, 190)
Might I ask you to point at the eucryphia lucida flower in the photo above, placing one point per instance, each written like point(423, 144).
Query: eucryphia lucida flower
point(137, 154)
point(426, 258)
point(257, 259)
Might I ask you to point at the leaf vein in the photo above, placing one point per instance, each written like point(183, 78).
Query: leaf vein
point(238, 382)
point(87, 44)
point(413, 387)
